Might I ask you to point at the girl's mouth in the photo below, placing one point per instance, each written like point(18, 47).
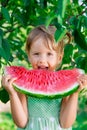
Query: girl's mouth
point(43, 67)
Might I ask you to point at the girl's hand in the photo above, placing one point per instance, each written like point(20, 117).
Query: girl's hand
point(82, 82)
point(7, 82)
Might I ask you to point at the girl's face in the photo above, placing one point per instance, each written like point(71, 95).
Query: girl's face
point(42, 57)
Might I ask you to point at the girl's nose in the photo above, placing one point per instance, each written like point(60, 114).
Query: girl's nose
point(42, 59)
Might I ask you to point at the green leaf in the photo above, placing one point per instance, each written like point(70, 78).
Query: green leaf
point(49, 18)
point(4, 96)
point(68, 51)
point(61, 7)
point(5, 14)
point(81, 62)
point(80, 39)
point(26, 2)
point(73, 22)
point(2, 53)
point(4, 49)
point(60, 33)
point(75, 1)
point(85, 21)
point(1, 32)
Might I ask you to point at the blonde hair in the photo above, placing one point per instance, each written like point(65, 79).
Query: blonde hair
point(48, 35)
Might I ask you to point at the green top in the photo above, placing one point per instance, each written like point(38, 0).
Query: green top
point(43, 114)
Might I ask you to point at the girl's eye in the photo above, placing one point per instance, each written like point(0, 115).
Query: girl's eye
point(49, 54)
point(36, 54)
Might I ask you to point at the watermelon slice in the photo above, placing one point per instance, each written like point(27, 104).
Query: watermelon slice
point(44, 83)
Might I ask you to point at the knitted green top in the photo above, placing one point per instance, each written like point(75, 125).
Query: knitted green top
point(43, 114)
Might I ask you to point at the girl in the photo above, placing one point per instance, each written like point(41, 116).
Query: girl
point(31, 113)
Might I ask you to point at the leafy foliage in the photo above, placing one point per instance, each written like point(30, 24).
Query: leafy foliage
point(6, 122)
point(17, 18)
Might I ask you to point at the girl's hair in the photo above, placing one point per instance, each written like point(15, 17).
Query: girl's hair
point(47, 34)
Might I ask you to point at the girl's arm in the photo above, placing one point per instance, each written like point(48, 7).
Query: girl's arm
point(69, 105)
point(18, 102)
point(68, 110)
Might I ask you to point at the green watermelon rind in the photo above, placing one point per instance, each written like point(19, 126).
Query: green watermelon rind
point(44, 95)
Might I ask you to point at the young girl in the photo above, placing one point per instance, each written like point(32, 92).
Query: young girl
point(31, 113)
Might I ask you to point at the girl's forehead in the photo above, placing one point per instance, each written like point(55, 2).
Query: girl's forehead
point(37, 43)
point(41, 44)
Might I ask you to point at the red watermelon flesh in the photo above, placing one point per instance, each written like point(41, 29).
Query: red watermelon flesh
point(44, 83)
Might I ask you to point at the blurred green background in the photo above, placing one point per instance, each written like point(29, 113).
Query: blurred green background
point(17, 18)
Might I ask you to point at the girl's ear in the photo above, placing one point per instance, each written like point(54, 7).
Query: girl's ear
point(61, 57)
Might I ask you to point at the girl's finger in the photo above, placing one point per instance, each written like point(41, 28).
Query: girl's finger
point(12, 80)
